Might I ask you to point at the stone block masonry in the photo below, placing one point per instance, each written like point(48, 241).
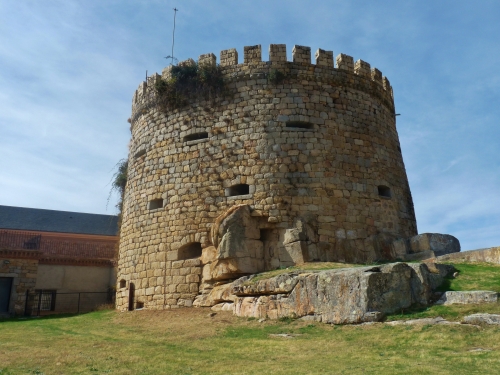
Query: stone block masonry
point(23, 273)
point(305, 169)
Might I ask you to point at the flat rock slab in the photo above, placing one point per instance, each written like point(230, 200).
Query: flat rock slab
point(421, 322)
point(468, 297)
point(482, 319)
point(339, 296)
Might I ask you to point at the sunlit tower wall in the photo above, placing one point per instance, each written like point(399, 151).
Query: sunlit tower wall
point(309, 153)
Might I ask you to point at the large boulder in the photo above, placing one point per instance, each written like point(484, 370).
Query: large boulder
point(237, 248)
point(348, 295)
point(218, 294)
point(440, 244)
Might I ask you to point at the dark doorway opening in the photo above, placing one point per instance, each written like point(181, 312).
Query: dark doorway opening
point(189, 251)
point(5, 288)
point(131, 297)
point(240, 189)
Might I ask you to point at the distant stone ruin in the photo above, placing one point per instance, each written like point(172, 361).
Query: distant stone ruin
point(292, 162)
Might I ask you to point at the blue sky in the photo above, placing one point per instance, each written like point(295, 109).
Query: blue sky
point(68, 70)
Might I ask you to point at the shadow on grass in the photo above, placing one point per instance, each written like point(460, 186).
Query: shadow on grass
point(23, 319)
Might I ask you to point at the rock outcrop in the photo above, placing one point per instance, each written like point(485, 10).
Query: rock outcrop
point(468, 297)
point(482, 318)
point(339, 296)
point(438, 243)
point(238, 249)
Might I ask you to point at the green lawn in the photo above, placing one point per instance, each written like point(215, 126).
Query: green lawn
point(188, 341)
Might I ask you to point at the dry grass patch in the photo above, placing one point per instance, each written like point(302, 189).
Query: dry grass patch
point(187, 341)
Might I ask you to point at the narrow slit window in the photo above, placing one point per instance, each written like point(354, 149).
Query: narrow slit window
point(384, 191)
point(300, 125)
point(155, 204)
point(240, 189)
point(139, 153)
point(189, 251)
point(196, 136)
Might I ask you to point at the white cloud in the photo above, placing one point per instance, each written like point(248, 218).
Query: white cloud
point(69, 70)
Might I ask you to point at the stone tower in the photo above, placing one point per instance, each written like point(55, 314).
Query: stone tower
point(276, 173)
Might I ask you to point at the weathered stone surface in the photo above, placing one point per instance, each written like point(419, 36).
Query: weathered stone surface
point(468, 297)
point(440, 244)
point(423, 255)
point(224, 306)
point(218, 294)
point(421, 322)
point(209, 254)
point(489, 255)
point(239, 250)
point(349, 295)
point(482, 319)
point(295, 253)
point(280, 284)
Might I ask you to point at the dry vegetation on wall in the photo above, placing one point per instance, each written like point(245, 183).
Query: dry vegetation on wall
point(188, 82)
point(118, 183)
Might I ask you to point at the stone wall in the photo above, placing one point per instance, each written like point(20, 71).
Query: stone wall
point(24, 274)
point(315, 158)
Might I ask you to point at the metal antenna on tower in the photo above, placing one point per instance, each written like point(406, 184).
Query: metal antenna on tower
point(173, 40)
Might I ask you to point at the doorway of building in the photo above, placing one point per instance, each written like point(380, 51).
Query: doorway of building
point(131, 297)
point(5, 288)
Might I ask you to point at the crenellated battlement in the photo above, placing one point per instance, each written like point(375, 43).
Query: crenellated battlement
point(341, 71)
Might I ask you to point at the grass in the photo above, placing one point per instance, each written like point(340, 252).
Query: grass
point(471, 276)
point(187, 341)
point(474, 276)
point(311, 266)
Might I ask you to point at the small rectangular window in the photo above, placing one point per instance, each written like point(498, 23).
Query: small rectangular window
point(195, 136)
point(139, 153)
point(240, 189)
point(384, 191)
point(300, 125)
point(155, 204)
point(46, 299)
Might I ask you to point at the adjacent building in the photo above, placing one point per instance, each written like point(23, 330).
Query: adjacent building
point(56, 254)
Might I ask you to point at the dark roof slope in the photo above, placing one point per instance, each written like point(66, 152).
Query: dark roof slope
point(35, 219)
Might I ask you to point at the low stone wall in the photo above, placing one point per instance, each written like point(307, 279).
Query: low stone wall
point(490, 255)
